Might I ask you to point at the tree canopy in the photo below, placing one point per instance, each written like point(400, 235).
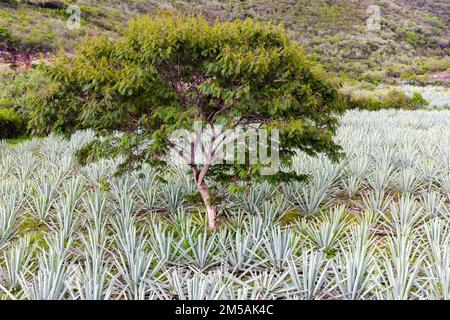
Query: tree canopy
point(167, 71)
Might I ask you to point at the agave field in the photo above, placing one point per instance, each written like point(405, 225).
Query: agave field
point(438, 97)
point(374, 226)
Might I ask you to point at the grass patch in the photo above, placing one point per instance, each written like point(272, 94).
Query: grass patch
point(18, 140)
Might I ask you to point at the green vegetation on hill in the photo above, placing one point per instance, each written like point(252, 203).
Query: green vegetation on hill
point(335, 31)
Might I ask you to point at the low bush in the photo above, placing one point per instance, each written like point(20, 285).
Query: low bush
point(411, 38)
point(437, 64)
point(5, 35)
point(418, 100)
point(47, 4)
point(15, 97)
point(11, 124)
point(383, 99)
point(396, 99)
point(11, 3)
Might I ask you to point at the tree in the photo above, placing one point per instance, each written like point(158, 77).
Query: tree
point(166, 72)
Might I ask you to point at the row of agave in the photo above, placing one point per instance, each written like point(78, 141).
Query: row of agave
point(374, 226)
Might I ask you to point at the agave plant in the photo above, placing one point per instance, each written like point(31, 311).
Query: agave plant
point(27, 163)
point(358, 165)
point(48, 283)
point(351, 186)
point(324, 233)
point(134, 271)
point(239, 292)
point(406, 181)
point(444, 182)
point(433, 203)
point(427, 171)
point(91, 281)
point(97, 174)
point(253, 199)
point(407, 155)
point(173, 196)
point(127, 238)
point(256, 227)
point(43, 200)
point(16, 259)
point(269, 285)
point(72, 192)
point(95, 206)
point(163, 243)
point(380, 180)
point(437, 259)
point(196, 287)
point(354, 268)
point(278, 247)
point(199, 253)
point(377, 203)
point(240, 250)
point(121, 190)
point(66, 217)
point(437, 270)
point(148, 188)
point(309, 200)
point(271, 212)
point(309, 280)
point(399, 269)
point(403, 216)
point(8, 218)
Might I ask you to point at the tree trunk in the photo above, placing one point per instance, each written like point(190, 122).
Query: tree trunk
point(210, 208)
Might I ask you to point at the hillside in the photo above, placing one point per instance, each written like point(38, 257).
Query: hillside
point(193, 151)
point(334, 31)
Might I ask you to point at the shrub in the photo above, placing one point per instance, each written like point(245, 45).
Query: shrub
point(381, 99)
point(437, 64)
point(418, 101)
point(5, 35)
point(364, 103)
point(48, 4)
point(11, 124)
point(411, 38)
point(11, 3)
point(396, 99)
point(15, 88)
